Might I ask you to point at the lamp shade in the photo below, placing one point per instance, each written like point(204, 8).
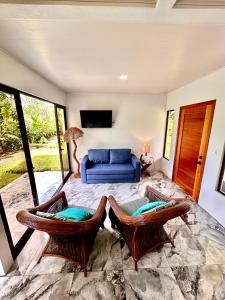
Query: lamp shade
point(72, 134)
point(146, 148)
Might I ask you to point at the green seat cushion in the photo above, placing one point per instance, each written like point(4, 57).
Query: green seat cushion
point(147, 207)
point(74, 213)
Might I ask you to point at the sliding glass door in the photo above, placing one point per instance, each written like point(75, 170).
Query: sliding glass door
point(15, 187)
point(41, 127)
point(34, 160)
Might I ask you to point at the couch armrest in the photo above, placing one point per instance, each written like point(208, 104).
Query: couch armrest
point(137, 166)
point(83, 167)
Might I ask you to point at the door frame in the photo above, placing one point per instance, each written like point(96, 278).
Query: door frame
point(16, 249)
point(64, 178)
point(204, 142)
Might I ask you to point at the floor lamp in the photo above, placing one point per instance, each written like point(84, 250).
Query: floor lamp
point(71, 135)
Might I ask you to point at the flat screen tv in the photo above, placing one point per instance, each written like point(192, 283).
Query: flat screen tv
point(96, 118)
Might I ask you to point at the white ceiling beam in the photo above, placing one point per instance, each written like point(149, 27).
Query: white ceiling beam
point(136, 3)
point(165, 4)
point(163, 13)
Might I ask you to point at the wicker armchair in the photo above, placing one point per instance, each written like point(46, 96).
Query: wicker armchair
point(145, 232)
point(67, 239)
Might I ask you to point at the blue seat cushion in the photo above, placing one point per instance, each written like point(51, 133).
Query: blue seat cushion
point(98, 156)
point(120, 156)
point(109, 176)
point(108, 169)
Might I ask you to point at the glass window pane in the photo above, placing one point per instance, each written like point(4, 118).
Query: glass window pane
point(222, 178)
point(15, 186)
point(169, 134)
point(222, 187)
point(41, 129)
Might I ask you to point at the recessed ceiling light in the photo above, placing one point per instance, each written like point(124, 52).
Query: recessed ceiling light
point(123, 77)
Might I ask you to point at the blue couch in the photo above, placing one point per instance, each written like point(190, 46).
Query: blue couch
point(110, 165)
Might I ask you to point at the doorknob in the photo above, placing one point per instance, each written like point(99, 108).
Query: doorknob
point(199, 162)
point(200, 157)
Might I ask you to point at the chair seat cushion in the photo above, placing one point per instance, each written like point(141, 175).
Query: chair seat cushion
point(74, 213)
point(50, 216)
point(108, 169)
point(162, 206)
point(131, 206)
point(147, 207)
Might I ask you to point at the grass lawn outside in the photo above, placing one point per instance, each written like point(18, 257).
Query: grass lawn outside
point(7, 178)
point(44, 159)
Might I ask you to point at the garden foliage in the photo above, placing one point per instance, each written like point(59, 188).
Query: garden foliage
point(39, 120)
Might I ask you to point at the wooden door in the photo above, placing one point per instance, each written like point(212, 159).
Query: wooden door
point(193, 134)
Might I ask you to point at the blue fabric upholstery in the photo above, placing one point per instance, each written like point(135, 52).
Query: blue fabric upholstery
point(107, 169)
point(110, 176)
point(98, 156)
point(119, 156)
point(137, 167)
point(107, 180)
point(109, 172)
point(83, 167)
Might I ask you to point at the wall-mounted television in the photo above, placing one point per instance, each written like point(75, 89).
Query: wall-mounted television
point(96, 118)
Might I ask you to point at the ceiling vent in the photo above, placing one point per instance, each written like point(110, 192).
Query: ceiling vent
point(199, 4)
point(148, 3)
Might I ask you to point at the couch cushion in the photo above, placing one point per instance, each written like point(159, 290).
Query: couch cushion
point(105, 169)
point(106, 180)
point(98, 156)
point(110, 176)
point(119, 156)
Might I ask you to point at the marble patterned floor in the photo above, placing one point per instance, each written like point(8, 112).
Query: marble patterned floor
point(17, 195)
point(195, 269)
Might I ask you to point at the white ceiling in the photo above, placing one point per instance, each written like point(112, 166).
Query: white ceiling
point(87, 49)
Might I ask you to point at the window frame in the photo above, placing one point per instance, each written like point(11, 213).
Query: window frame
point(222, 171)
point(165, 136)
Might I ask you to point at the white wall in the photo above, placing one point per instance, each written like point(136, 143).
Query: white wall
point(207, 88)
point(138, 119)
point(15, 74)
